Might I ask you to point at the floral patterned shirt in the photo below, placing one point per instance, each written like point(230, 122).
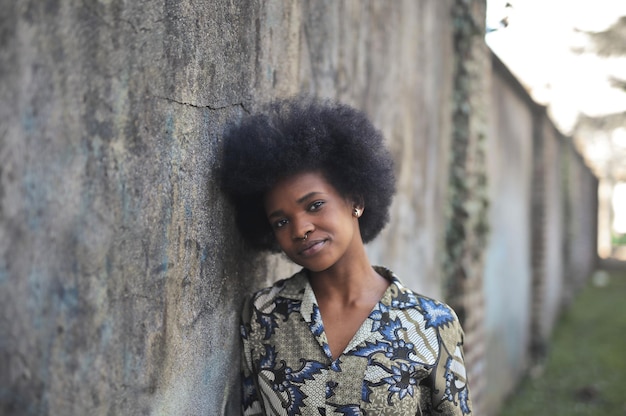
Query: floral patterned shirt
point(406, 358)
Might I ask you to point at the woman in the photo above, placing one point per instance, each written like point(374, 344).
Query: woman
point(313, 179)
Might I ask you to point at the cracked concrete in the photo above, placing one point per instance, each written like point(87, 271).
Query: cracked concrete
point(121, 273)
point(210, 107)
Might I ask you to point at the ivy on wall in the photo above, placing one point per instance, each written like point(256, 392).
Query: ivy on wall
point(467, 225)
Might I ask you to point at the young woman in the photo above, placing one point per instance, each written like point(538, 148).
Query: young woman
point(314, 180)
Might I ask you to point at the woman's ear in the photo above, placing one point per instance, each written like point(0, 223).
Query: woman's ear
point(358, 206)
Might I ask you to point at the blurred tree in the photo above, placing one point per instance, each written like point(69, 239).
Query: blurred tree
point(611, 42)
point(607, 132)
point(604, 137)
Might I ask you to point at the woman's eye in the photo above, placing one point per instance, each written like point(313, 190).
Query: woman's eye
point(316, 205)
point(280, 223)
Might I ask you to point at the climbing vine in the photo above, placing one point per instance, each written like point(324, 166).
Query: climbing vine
point(467, 229)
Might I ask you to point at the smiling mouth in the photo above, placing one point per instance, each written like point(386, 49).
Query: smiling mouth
point(312, 248)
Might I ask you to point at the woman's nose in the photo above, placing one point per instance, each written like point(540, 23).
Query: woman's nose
point(302, 229)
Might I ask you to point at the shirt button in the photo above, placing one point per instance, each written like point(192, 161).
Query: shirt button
point(330, 387)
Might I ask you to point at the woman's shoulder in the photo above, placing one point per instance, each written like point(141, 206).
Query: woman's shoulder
point(291, 287)
point(436, 313)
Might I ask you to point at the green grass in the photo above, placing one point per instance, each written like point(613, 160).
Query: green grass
point(618, 239)
point(585, 373)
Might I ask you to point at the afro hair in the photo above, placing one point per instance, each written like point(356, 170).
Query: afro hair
point(303, 135)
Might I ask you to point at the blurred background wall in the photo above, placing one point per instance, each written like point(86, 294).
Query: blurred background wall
point(121, 272)
point(542, 245)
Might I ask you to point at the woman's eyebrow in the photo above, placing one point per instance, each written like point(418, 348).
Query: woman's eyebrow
point(277, 213)
point(280, 213)
point(307, 196)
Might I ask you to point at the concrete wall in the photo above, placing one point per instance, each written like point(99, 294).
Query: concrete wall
point(122, 277)
point(543, 221)
point(467, 222)
point(507, 278)
point(565, 204)
point(580, 217)
point(548, 228)
point(121, 273)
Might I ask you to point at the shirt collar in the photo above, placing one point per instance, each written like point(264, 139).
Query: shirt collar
point(396, 296)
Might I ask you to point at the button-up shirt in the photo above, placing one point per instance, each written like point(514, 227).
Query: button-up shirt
point(405, 359)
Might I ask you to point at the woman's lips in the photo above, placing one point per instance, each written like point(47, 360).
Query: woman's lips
point(311, 248)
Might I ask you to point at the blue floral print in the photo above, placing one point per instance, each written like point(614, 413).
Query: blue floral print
point(286, 380)
point(349, 410)
point(402, 381)
point(435, 313)
point(464, 401)
point(316, 321)
point(379, 316)
point(405, 359)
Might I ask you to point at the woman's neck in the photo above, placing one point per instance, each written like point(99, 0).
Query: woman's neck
point(348, 283)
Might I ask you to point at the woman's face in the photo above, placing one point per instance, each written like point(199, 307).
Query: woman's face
point(307, 204)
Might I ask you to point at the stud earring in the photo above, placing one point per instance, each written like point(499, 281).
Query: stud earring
point(356, 212)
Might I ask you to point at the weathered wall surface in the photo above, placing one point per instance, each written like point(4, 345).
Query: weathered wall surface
point(507, 279)
point(548, 239)
point(580, 218)
point(120, 270)
point(565, 204)
point(466, 226)
point(121, 276)
point(543, 222)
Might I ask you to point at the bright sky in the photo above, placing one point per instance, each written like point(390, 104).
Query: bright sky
point(537, 47)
